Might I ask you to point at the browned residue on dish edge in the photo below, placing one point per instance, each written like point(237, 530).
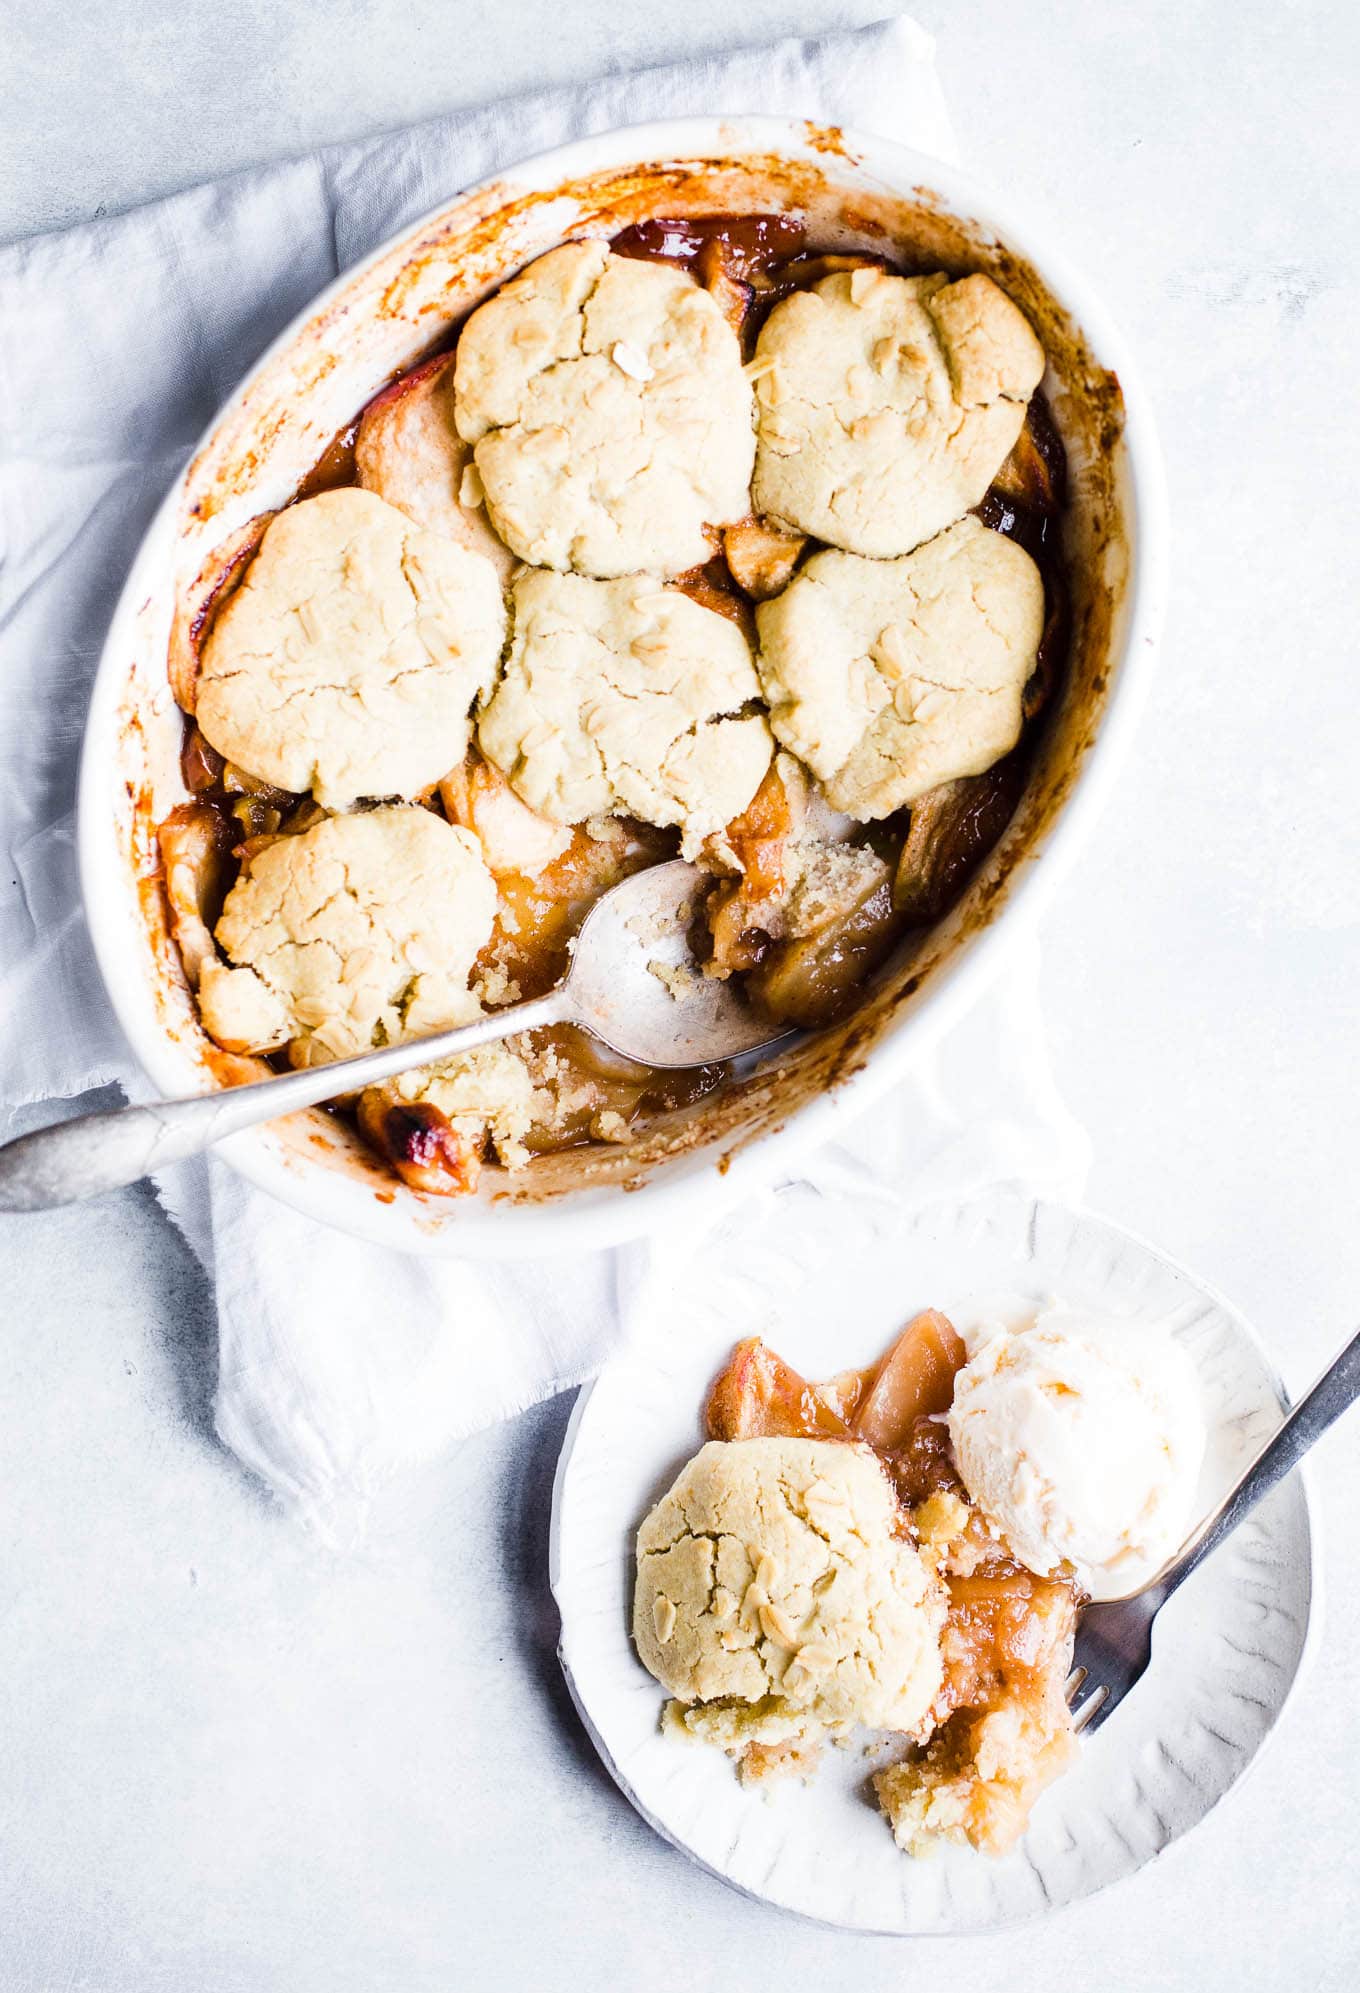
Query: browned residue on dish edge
point(411, 301)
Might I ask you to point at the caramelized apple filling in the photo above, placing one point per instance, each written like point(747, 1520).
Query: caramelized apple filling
point(803, 906)
point(421, 1143)
point(1001, 1731)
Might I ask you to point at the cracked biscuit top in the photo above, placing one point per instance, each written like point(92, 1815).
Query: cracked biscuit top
point(888, 678)
point(357, 933)
point(774, 1574)
point(885, 405)
point(409, 452)
point(349, 659)
point(626, 698)
point(610, 417)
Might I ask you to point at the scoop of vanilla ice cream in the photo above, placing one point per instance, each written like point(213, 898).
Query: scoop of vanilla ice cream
point(1081, 1439)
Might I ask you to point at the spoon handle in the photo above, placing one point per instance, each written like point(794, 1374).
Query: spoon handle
point(1303, 1424)
point(93, 1153)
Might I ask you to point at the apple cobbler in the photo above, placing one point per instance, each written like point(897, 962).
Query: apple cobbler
point(820, 1567)
point(906, 1550)
point(702, 541)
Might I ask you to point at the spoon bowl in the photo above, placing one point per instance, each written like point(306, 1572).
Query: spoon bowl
point(636, 986)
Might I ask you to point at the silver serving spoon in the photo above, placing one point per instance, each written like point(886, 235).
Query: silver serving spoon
point(633, 984)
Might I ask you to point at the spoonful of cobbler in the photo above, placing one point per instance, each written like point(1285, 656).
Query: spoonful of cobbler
point(633, 983)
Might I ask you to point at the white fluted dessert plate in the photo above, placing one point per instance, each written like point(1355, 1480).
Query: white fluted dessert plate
point(828, 1284)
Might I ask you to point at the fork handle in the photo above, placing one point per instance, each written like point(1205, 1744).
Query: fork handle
point(1304, 1424)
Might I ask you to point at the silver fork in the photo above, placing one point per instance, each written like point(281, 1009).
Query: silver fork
point(1114, 1638)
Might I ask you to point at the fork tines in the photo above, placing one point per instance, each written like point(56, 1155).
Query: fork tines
point(1084, 1712)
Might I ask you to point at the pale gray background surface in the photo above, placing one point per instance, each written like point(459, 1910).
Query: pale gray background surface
point(232, 1763)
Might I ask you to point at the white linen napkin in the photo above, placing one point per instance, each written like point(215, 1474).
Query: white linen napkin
point(340, 1364)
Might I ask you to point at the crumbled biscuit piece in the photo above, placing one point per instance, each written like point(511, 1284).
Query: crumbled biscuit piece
point(608, 411)
point(885, 405)
point(888, 678)
point(978, 1778)
point(493, 987)
point(486, 1095)
point(609, 1126)
point(680, 979)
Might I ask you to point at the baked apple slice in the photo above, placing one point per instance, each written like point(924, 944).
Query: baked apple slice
point(914, 1381)
point(951, 831)
point(420, 1142)
point(1035, 472)
point(408, 452)
point(761, 557)
point(200, 603)
point(814, 976)
point(196, 851)
point(759, 1396)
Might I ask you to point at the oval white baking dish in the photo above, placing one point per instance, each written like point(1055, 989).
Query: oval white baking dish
point(380, 318)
